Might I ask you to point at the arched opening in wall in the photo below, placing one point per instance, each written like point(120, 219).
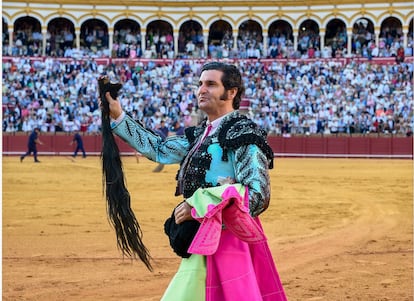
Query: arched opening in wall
point(5, 36)
point(280, 36)
point(335, 37)
point(250, 40)
point(220, 37)
point(60, 37)
point(27, 37)
point(308, 35)
point(390, 37)
point(127, 39)
point(159, 40)
point(362, 34)
point(410, 43)
point(191, 40)
point(94, 37)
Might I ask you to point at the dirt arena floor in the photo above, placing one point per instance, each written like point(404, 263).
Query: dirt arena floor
point(339, 229)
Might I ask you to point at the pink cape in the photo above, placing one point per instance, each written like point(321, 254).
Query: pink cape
point(239, 262)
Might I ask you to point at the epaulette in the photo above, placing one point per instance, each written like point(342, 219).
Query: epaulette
point(240, 131)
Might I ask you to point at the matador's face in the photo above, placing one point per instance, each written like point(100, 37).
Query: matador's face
point(212, 97)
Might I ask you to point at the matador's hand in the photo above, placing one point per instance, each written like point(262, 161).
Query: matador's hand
point(109, 90)
point(115, 109)
point(182, 213)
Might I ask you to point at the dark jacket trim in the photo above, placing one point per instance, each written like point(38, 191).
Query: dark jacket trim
point(241, 131)
point(233, 133)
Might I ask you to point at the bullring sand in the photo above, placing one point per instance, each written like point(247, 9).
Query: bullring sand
point(339, 229)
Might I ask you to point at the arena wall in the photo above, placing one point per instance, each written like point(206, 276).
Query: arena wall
point(295, 146)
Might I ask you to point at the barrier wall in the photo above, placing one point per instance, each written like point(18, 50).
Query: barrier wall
point(132, 61)
point(297, 146)
point(391, 147)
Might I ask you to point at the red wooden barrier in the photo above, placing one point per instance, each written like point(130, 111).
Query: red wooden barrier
point(296, 146)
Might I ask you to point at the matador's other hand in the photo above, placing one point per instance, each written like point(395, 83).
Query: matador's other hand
point(115, 109)
point(182, 213)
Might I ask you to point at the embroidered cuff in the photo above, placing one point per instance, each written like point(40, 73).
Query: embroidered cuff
point(115, 122)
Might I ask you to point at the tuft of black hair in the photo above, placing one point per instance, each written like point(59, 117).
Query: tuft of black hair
point(121, 216)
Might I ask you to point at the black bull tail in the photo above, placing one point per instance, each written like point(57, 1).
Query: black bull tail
point(120, 214)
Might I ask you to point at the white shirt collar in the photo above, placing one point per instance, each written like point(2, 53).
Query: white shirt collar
point(216, 123)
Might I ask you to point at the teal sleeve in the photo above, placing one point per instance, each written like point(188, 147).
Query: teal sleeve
point(149, 144)
point(251, 170)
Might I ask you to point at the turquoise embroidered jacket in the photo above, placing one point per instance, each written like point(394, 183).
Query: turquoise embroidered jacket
point(237, 152)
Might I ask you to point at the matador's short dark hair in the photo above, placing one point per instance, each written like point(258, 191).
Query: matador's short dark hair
point(231, 79)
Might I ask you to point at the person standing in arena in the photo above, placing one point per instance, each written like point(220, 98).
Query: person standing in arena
point(77, 138)
point(224, 181)
point(32, 145)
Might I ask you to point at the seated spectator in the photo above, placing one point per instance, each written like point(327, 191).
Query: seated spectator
point(287, 98)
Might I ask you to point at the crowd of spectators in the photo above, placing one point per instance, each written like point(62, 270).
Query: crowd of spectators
point(250, 44)
point(286, 98)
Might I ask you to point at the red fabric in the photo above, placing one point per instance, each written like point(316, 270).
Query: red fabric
point(242, 272)
point(233, 213)
point(239, 262)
